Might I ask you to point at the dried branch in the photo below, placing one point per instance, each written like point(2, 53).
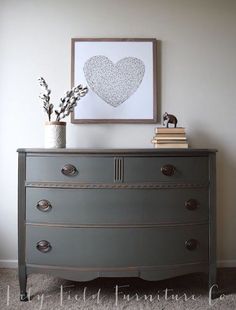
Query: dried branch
point(67, 103)
point(45, 96)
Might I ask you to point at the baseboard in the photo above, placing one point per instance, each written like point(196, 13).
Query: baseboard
point(12, 263)
point(8, 263)
point(226, 263)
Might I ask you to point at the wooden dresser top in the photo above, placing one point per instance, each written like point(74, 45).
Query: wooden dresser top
point(189, 151)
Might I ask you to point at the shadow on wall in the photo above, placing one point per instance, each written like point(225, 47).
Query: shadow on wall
point(226, 194)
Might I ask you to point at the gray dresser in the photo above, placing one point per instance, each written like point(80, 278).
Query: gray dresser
point(88, 213)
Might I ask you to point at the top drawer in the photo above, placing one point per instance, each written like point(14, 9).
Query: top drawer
point(167, 169)
point(69, 169)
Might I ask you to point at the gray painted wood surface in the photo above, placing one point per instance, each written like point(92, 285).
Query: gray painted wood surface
point(212, 225)
point(153, 273)
point(21, 226)
point(109, 222)
point(92, 169)
point(116, 206)
point(188, 169)
point(116, 247)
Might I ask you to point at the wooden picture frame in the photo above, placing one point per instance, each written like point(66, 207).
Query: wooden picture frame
point(121, 76)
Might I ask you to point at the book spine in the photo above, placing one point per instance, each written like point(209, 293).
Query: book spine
point(169, 130)
point(169, 141)
point(167, 146)
point(170, 138)
point(171, 135)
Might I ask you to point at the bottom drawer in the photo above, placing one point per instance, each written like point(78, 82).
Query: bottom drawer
point(116, 247)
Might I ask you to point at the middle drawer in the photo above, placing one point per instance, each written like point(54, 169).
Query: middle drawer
point(116, 206)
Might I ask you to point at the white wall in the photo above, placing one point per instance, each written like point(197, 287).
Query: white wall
point(198, 75)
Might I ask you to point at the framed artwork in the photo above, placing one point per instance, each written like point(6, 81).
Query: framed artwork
point(121, 78)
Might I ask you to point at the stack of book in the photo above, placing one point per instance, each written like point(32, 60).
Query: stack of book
point(170, 138)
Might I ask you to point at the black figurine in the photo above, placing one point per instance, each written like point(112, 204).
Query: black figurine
point(171, 119)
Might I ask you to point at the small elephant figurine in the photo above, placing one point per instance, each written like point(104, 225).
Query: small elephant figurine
point(171, 119)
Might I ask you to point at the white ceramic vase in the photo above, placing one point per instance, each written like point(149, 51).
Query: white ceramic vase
point(55, 135)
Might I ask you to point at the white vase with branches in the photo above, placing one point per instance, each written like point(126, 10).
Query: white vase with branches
point(55, 130)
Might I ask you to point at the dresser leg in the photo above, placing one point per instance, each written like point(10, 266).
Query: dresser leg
point(213, 288)
point(23, 284)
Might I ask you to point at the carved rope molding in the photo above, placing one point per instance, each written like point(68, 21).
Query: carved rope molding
point(115, 186)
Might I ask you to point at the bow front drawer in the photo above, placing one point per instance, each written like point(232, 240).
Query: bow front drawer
point(116, 247)
point(69, 169)
point(167, 169)
point(116, 206)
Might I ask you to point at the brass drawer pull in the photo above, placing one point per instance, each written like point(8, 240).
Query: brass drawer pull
point(44, 205)
point(69, 170)
point(43, 246)
point(191, 244)
point(191, 204)
point(168, 170)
